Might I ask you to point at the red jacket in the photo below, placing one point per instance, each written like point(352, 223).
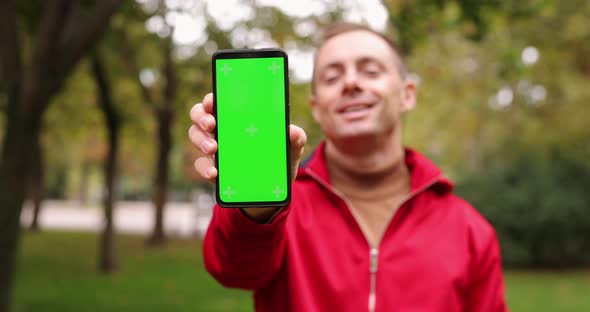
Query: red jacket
point(438, 253)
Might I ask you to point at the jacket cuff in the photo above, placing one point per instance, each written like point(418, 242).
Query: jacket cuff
point(238, 222)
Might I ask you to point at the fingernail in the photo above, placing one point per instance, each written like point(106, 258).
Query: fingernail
point(207, 146)
point(210, 172)
point(203, 122)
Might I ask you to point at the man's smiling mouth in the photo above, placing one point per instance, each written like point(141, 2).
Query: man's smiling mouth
point(355, 108)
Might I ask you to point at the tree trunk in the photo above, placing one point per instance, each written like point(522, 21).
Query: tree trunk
point(29, 89)
point(108, 259)
point(21, 131)
point(19, 139)
point(37, 185)
point(165, 117)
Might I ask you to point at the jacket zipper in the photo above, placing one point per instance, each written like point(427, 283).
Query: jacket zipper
point(373, 252)
point(373, 291)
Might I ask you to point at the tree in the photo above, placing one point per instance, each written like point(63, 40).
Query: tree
point(160, 97)
point(65, 32)
point(107, 257)
point(164, 114)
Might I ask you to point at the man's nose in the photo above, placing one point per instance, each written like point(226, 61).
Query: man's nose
point(351, 82)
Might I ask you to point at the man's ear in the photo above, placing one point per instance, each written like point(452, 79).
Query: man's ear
point(314, 108)
point(408, 96)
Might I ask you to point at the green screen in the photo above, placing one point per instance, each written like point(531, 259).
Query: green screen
point(251, 130)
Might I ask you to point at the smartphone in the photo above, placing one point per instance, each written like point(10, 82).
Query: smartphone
point(251, 106)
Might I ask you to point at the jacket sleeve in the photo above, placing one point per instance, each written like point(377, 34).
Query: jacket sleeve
point(240, 253)
point(485, 292)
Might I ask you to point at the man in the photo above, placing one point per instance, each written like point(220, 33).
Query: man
point(371, 226)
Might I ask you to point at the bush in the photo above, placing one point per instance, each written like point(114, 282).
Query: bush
point(539, 204)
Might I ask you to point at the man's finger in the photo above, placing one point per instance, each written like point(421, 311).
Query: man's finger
point(201, 118)
point(196, 113)
point(202, 140)
point(208, 103)
point(206, 168)
point(298, 139)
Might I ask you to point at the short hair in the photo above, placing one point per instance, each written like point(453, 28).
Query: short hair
point(340, 28)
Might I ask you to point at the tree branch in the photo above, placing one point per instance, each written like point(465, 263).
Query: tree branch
point(10, 61)
point(105, 99)
point(45, 48)
point(50, 28)
point(82, 38)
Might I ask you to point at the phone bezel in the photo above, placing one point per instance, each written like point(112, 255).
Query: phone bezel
point(253, 53)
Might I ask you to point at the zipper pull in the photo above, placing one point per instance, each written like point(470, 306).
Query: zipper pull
point(374, 259)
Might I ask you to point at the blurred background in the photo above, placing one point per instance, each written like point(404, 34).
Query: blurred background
point(101, 210)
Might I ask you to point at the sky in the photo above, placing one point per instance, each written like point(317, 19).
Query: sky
point(189, 24)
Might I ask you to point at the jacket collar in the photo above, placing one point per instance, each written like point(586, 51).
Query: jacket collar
point(423, 173)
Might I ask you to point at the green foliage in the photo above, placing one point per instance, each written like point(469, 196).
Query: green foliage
point(55, 184)
point(414, 21)
point(537, 200)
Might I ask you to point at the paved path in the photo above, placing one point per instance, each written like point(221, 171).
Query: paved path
point(181, 219)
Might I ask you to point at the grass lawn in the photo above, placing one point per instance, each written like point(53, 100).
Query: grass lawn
point(57, 272)
point(548, 291)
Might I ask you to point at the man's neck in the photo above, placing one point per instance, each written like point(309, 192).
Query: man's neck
point(374, 181)
point(372, 167)
point(367, 158)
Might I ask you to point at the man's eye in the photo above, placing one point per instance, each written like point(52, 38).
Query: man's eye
point(372, 72)
point(330, 78)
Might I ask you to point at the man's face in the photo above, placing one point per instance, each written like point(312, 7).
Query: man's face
point(358, 88)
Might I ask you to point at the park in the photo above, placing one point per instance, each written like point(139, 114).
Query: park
point(101, 208)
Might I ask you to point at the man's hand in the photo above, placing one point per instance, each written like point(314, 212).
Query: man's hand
point(201, 135)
